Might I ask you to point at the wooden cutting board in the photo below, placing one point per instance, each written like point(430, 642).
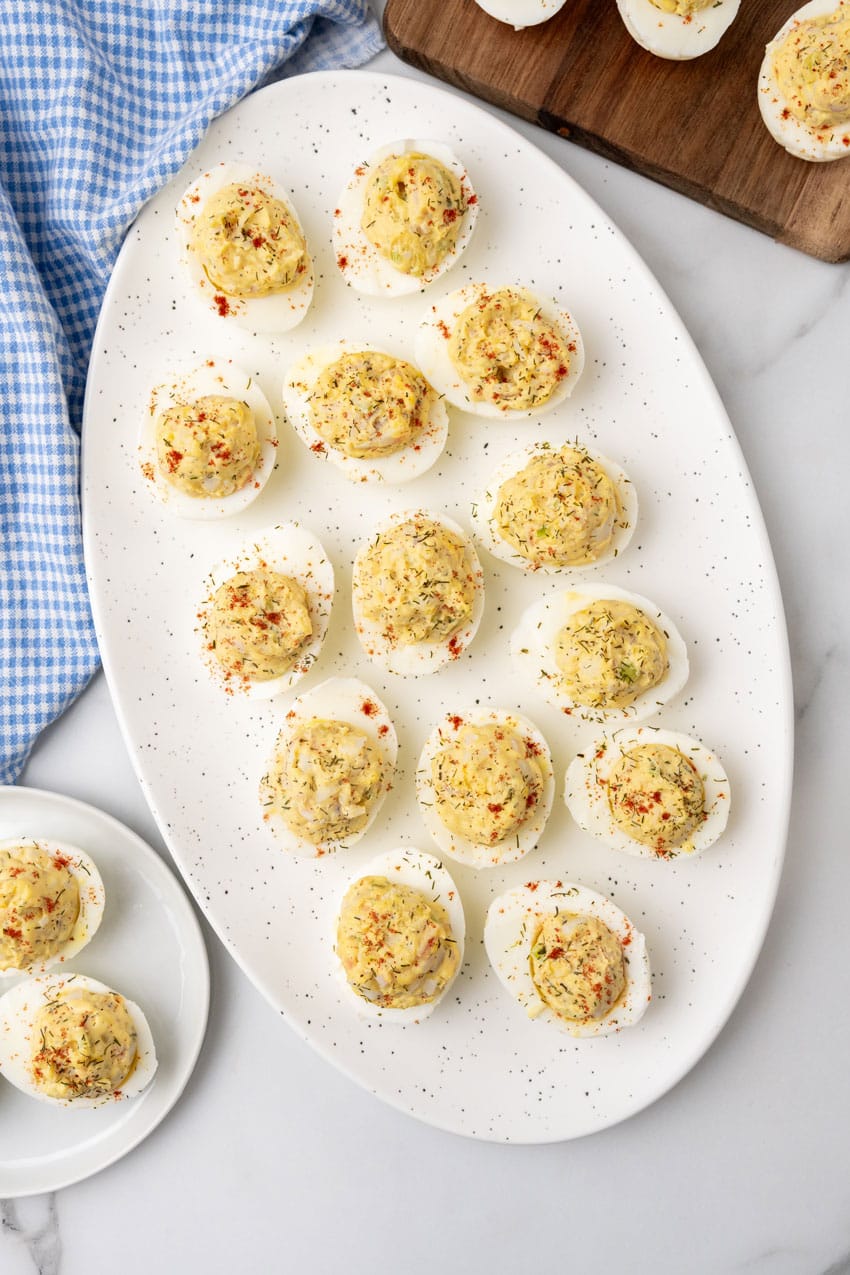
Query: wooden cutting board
point(694, 125)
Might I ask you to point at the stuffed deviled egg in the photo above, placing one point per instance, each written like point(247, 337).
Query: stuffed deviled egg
point(266, 611)
point(485, 786)
point(650, 792)
point(503, 352)
point(371, 414)
point(332, 767)
point(600, 653)
point(208, 441)
point(553, 509)
point(244, 250)
point(72, 1041)
point(404, 218)
point(399, 938)
point(417, 593)
point(569, 956)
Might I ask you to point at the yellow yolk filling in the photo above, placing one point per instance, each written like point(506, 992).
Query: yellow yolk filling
point(609, 653)
point(487, 781)
point(369, 404)
point(248, 242)
point(208, 448)
point(413, 211)
point(39, 906)
point(84, 1045)
point(258, 623)
point(577, 966)
point(812, 70)
point(560, 510)
point(395, 944)
point(415, 581)
point(326, 780)
point(656, 796)
point(507, 353)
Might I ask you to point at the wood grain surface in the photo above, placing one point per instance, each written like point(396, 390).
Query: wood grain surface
point(693, 125)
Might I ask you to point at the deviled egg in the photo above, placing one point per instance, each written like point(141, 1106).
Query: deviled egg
point(400, 936)
point(404, 218)
point(244, 249)
point(649, 792)
point(569, 956)
point(521, 13)
point(371, 414)
point(51, 904)
point(485, 786)
point(332, 767)
point(208, 441)
point(266, 612)
point(601, 653)
point(417, 593)
point(804, 82)
point(678, 29)
point(502, 352)
point(72, 1041)
point(552, 509)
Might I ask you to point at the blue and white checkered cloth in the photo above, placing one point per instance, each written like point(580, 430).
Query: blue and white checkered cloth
point(101, 102)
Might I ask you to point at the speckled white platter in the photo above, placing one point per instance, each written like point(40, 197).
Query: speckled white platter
point(150, 948)
point(476, 1066)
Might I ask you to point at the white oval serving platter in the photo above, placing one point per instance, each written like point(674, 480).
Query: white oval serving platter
point(476, 1066)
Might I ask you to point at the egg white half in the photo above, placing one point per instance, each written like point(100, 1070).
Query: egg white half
point(275, 312)
point(290, 550)
point(460, 848)
point(817, 145)
point(400, 466)
point(92, 898)
point(358, 260)
point(484, 509)
point(432, 351)
point(339, 699)
point(521, 13)
point(18, 1008)
point(585, 791)
point(513, 920)
point(674, 36)
point(418, 658)
point(217, 376)
point(411, 867)
point(533, 651)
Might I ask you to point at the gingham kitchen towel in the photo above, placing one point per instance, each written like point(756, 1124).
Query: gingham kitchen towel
point(101, 102)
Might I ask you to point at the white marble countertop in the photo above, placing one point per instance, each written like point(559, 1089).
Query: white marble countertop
point(272, 1160)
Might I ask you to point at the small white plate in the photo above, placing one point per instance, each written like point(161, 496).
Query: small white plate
point(149, 947)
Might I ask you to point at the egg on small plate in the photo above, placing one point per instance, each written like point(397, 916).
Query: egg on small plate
point(417, 592)
point(521, 13)
point(266, 611)
point(208, 441)
point(371, 414)
point(804, 82)
point(678, 29)
point(569, 956)
point(600, 653)
point(74, 1042)
point(244, 250)
point(552, 509)
point(404, 218)
point(399, 940)
point(504, 353)
point(649, 792)
point(51, 904)
point(332, 767)
point(485, 786)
